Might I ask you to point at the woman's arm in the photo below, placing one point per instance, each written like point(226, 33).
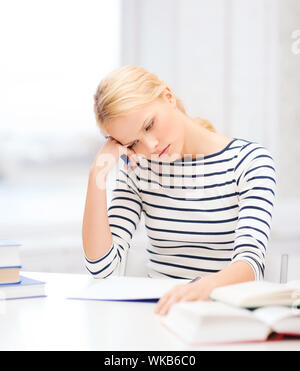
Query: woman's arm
point(256, 185)
point(106, 232)
point(96, 234)
point(236, 272)
point(255, 175)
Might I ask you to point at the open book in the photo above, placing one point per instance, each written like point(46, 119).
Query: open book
point(256, 294)
point(215, 322)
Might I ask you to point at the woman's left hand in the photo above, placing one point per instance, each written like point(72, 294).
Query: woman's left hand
point(194, 291)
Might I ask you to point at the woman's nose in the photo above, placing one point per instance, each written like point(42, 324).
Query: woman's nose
point(151, 144)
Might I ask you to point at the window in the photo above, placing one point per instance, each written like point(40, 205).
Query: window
point(53, 55)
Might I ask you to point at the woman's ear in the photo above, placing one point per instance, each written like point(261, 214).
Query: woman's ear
point(169, 96)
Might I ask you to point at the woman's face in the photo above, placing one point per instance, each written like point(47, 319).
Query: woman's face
point(149, 130)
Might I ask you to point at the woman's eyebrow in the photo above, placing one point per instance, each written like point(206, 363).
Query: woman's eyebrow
point(147, 120)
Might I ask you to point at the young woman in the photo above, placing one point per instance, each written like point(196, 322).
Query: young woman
point(207, 198)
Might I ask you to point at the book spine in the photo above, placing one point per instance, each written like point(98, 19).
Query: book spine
point(10, 283)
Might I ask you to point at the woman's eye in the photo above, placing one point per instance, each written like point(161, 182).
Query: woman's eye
point(150, 126)
point(132, 145)
point(147, 128)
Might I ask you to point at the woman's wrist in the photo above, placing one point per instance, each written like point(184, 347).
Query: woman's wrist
point(98, 176)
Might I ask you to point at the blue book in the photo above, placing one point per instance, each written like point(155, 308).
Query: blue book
point(25, 289)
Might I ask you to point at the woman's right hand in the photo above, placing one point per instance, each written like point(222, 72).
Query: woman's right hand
point(109, 155)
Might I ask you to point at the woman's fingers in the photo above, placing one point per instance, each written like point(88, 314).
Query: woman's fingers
point(133, 161)
point(189, 292)
point(131, 158)
point(167, 305)
point(169, 299)
point(162, 301)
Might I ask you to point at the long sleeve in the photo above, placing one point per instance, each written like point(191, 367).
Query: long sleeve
point(124, 214)
point(256, 186)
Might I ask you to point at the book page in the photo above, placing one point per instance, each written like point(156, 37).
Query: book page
point(281, 319)
point(295, 284)
point(273, 314)
point(214, 322)
point(254, 293)
point(238, 293)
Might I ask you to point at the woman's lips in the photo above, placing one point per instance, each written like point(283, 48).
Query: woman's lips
point(164, 151)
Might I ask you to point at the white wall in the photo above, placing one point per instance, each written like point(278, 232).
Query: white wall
point(219, 56)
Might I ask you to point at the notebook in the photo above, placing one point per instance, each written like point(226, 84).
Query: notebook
point(210, 322)
point(256, 294)
point(27, 288)
point(126, 289)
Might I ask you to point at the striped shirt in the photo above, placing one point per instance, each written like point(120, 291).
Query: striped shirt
point(201, 214)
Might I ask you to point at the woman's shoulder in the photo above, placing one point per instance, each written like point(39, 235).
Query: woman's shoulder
point(251, 153)
point(247, 147)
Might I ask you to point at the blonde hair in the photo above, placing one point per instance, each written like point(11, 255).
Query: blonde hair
point(127, 89)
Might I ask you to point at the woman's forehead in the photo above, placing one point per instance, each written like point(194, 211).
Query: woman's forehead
point(127, 128)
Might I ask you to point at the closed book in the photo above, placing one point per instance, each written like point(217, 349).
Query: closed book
point(9, 275)
point(27, 288)
point(9, 253)
point(218, 323)
point(255, 294)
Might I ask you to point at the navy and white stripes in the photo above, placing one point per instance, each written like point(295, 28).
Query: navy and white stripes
point(200, 214)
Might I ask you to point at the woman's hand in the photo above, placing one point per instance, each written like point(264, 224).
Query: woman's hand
point(109, 155)
point(194, 291)
point(236, 272)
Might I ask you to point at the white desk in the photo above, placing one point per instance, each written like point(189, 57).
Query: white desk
point(55, 323)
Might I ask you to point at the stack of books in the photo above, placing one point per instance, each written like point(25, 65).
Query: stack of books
point(13, 285)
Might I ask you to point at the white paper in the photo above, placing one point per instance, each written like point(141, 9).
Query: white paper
point(126, 288)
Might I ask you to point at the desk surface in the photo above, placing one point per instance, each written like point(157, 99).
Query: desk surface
point(55, 323)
